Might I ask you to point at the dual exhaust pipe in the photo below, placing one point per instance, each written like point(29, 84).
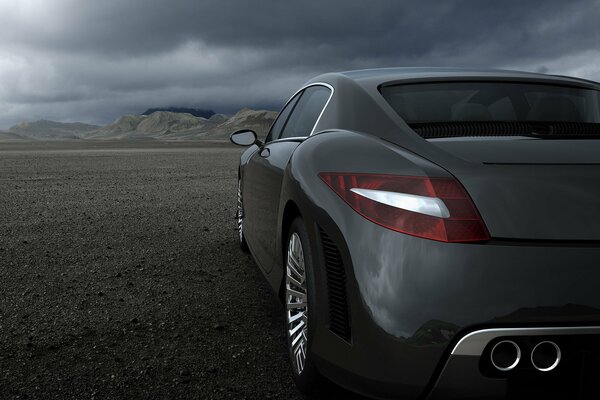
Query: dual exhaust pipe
point(506, 355)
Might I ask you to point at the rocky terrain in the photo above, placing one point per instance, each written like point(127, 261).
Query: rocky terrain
point(162, 125)
point(122, 278)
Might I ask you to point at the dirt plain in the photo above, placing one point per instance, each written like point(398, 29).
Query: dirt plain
point(122, 279)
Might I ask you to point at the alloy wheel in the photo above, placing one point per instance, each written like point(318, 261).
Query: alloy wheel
point(240, 212)
point(296, 303)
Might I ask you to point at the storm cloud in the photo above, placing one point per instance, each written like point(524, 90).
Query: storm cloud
point(92, 61)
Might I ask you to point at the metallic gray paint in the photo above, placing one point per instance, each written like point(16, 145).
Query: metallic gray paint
point(411, 300)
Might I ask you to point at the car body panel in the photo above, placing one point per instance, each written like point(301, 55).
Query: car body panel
point(537, 202)
point(521, 150)
point(264, 175)
point(527, 188)
point(417, 295)
point(411, 299)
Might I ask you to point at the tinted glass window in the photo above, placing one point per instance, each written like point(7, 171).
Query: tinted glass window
point(493, 101)
point(275, 131)
point(308, 109)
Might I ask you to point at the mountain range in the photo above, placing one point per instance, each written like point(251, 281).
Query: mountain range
point(161, 125)
point(196, 112)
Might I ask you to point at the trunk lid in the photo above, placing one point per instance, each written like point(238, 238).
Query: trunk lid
point(532, 189)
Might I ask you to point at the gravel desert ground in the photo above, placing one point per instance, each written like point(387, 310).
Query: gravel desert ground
point(121, 276)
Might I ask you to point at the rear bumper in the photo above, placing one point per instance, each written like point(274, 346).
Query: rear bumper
point(412, 300)
point(468, 373)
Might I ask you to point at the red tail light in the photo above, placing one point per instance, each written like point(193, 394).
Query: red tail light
point(432, 208)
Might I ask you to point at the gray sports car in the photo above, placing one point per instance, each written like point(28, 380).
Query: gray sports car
point(433, 233)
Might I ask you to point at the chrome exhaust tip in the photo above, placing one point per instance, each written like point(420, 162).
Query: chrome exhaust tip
point(505, 355)
point(545, 356)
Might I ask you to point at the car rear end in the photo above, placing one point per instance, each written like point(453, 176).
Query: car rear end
point(507, 304)
point(539, 200)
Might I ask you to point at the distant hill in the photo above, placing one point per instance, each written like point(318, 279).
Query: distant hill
point(160, 124)
point(218, 118)
point(119, 129)
point(174, 126)
point(259, 121)
point(44, 129)
point(196, 112)
point(163, 125)
point(10, 136)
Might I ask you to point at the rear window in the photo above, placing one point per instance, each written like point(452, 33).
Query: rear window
point(492, 101)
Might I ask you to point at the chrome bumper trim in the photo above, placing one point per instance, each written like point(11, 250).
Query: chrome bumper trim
point(473, 343)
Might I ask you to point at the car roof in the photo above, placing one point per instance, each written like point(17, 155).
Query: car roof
point(380, 76)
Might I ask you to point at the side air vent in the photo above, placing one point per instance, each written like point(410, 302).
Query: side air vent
point(339, 322)
point(571, 130)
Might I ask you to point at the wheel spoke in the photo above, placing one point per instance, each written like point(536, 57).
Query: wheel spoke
point(295, 330)
point(296, 294)
point(295, 317)
point(295, 306)
point(295, 267)
point(290, 279)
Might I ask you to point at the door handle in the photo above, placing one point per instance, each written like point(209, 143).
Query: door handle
point(264, 153)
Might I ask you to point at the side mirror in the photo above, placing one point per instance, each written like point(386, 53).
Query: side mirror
point(245, 137)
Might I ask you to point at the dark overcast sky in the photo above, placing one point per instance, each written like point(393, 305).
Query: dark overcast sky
point(92, 61)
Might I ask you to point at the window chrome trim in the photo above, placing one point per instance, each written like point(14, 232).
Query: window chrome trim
point(475, 342)
point(287, 139)
point(331, 91)
point(326, 103)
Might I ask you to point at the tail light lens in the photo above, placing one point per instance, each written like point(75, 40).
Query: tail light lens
point(432, 208)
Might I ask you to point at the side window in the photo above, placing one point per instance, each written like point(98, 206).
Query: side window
point(282, 118)
point(305, 114)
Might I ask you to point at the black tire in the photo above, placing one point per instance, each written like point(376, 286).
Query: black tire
point(309, 380)
point(239, 215)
